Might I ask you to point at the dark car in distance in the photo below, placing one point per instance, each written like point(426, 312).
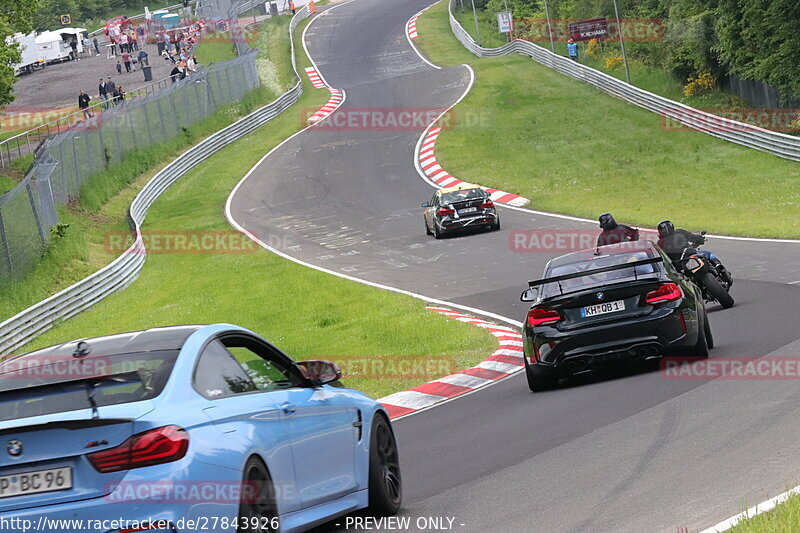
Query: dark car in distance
point(461, 207)
point(610, 306)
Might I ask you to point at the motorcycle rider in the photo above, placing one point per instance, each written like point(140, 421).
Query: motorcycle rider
point(674, 241)
point(614, 233)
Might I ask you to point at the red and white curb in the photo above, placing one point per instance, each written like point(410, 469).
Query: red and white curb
point(316, 80)
point(506, 360)
point(411, 26)
point(335, 101)
point(434, 171)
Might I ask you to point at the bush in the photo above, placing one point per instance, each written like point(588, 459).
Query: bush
point(614, 62)
point(700, 84)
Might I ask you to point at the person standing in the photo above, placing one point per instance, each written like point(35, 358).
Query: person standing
point(119, 67)
point(111, 88)
point(143, 59)
point(102, 90)
point(126, 59)
point(74, 45)
point(572, 50)
point(123, 42)
point(96, 46)
point(83, 104)
point(291, 7)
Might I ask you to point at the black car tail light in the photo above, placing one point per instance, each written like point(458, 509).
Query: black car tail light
point(488, 204)
point(152, 447)
point(668, 292)
point(445, 211)
point(541, 317)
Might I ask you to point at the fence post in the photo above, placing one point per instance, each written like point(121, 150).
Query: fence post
point(77, 169)
point(35, 211)
point(6, 250)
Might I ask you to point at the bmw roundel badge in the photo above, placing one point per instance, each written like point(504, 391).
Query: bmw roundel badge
point(14, 448)
point(600, 296)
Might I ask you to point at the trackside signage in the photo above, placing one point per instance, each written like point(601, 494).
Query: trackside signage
point(586, 30)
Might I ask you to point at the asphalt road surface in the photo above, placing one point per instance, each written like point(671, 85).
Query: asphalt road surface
point(630, 453)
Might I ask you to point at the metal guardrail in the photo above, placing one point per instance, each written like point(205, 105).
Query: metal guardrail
point(21, 328)
point(776, 143)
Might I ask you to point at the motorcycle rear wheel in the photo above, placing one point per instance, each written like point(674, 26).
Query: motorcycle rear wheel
point(717, 291)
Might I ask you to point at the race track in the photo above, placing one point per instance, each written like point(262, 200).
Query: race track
point(635, 453)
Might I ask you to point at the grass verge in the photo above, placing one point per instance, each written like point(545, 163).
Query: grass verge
point(106, 196)
point(784, 518)
point(644, 76)
point(307, 313)
point(573, 149)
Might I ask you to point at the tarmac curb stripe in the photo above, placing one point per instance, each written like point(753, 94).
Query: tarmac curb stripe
point(506, 360)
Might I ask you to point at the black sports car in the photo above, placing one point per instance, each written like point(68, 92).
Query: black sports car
point(460, 207)
point(607, 306)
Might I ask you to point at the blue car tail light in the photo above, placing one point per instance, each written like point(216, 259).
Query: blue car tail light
point(152, 447)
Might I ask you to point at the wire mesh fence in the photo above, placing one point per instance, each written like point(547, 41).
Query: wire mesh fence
point(64, 162)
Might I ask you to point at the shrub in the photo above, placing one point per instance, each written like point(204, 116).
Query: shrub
point(700, 84)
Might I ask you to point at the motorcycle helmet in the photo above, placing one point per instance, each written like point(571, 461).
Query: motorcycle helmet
point(607, 221)
point(665, 228)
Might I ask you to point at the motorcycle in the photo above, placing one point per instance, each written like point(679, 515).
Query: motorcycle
point(714, 280)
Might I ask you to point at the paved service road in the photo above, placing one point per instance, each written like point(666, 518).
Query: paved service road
point(636, 453)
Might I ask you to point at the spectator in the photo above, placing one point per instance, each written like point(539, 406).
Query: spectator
point(113, 46)
point(123, 43)
point(83, 104)
point(126, 59)
point(175, 73)
point(135, 41)
point(102, 90)
point(143, 59)
point(119, 66)
point(111, 88)
point(87, 45)
point(572, 50)
point(96, 46)
point(74, 45)
point(167, 56)
point(291, 7)
point(119, 95)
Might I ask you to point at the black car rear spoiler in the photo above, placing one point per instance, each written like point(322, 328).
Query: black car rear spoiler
point(634, 264)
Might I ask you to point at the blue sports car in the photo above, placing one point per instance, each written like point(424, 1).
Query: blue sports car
point(186, 428)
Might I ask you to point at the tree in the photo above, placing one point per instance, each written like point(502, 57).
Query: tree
point(15, 16)
point(760, 39)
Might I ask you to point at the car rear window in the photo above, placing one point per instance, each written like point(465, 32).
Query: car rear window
point(462, 196)
point(601, 278)
point(42, 385)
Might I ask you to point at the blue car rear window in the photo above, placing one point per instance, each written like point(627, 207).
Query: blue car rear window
point(37, 385)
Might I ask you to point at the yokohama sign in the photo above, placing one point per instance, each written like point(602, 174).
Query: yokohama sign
point(588, 29)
